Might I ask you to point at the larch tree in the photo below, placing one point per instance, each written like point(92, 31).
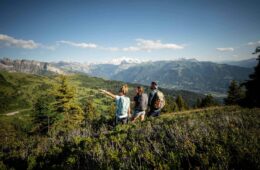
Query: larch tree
point(70, 114)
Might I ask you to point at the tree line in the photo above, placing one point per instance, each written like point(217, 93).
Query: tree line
point(247, 93)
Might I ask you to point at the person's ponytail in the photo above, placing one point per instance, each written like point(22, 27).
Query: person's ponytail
point(124, 89)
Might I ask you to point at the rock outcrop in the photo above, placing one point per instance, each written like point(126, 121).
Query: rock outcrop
point(28, 66)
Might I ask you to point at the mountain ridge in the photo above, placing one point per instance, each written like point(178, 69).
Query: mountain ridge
point(195, 76)
point(249, 63)
point(183, 74)
point(28, 66)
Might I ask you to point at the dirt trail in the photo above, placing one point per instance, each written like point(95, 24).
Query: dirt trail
point(14, 112)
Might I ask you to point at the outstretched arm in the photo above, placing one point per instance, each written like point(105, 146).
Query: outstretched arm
point(108, 93)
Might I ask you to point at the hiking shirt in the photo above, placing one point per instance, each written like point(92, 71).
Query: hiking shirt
point(141, 102)
point(137, 100)
point(122, 106)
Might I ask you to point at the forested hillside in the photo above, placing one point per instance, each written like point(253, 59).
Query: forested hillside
point(20, 90)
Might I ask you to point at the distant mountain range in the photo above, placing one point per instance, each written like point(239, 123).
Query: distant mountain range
point(249, 63)
point(192, 75)
point(185, 74)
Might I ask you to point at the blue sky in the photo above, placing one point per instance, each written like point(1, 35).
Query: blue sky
point(101, 30)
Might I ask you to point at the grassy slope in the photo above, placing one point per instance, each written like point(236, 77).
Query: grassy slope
point(213, 138)
point(18, 90)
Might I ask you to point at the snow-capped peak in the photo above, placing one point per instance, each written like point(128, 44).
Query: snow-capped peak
point(124, 60)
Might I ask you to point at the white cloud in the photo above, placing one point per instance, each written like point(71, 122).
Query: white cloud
point(141, 44)
point(148, 45)
point(110, 48)
point(254, 43)
point(11, 41)
point(225, 49)
point(88, 45)
point(80, 45)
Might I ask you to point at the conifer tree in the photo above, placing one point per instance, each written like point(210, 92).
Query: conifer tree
point(181, 103)
point(63, 96)
point(170, 106)
point(68, 111)
point(198, 103)
point(174, 107)
point(89, 111)
point(235, 94)
point(208, 101)
point(43, 116)
point(253, 85)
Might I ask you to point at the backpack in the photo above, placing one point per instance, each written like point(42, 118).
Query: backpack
point(144, 102)
point(160, 102)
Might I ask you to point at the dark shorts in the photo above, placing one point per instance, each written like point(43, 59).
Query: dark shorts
point(138, 113)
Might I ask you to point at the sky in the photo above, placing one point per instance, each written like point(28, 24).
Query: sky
point(102, 30)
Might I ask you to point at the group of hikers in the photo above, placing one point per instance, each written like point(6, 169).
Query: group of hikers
point(143, 103)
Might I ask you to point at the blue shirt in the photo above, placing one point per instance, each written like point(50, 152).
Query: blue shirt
point(122, 106)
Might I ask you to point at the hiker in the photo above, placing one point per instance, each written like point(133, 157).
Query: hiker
point(141, 102)
point(156, 100)
point(122, 104)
